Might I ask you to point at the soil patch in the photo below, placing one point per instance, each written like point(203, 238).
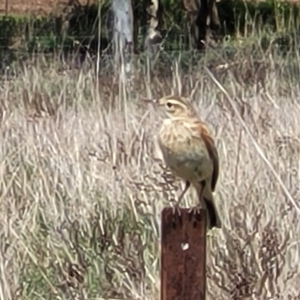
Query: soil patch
point(35, 7)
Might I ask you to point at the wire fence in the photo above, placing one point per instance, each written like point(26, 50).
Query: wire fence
point(84, 35)
point(86, 26)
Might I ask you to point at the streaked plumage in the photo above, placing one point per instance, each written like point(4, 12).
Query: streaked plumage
point(189, 151)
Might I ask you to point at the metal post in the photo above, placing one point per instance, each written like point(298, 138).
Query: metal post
point(183, 255)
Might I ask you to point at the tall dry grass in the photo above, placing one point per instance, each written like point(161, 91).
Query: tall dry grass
point(81, 189)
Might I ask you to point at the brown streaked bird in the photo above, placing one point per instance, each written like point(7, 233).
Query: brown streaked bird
point(188, 149)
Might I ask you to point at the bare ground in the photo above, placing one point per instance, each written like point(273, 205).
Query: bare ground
point(35, 7)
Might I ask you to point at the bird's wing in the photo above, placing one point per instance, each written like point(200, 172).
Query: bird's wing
point(212, 151)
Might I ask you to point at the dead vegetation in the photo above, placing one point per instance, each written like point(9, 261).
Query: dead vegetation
point(81, 190)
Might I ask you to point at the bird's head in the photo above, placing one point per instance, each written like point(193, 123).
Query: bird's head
point(174, 106)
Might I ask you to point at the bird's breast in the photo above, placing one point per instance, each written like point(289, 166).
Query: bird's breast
point(184, 152)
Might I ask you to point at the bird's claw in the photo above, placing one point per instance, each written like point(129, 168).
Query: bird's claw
point(195, 210)
point(176, 210)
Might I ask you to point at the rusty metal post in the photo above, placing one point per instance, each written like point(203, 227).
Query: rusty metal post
point(183, 255)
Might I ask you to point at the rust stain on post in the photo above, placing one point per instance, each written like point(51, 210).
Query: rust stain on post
point(183, 255)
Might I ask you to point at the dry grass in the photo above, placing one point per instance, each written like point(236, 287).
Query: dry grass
point(81, 190)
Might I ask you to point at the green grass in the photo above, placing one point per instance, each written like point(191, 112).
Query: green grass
point(14, 16)
point(238, 18)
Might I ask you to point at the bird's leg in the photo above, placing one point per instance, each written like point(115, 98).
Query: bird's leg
point(176, 206)
point(187, 185)
point(196, 209)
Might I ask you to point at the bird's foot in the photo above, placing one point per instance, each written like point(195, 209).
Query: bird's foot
point(176, 209)
point(195, 210)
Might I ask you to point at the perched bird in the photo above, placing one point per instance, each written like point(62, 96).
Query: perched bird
point(188, 149)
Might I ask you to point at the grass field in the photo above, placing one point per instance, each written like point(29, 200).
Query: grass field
point(81, 189)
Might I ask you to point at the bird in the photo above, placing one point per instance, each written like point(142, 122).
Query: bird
point(188, 149)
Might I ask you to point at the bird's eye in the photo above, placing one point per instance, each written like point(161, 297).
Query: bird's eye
point(169, 104)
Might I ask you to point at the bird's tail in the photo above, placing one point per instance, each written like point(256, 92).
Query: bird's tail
point(212, 212)
point(207, 202)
